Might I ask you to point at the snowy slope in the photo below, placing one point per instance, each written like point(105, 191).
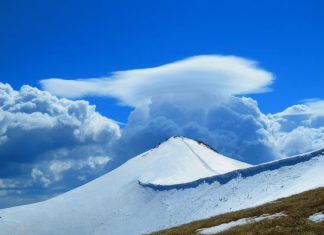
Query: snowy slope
point(180, 160)
point(117, 204)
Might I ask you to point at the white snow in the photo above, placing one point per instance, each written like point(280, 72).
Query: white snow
point(243, 221)
point(181, 160)
point(116, 204)
point(317, 217)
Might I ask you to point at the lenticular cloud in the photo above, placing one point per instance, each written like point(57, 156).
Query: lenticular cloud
point(191, 78)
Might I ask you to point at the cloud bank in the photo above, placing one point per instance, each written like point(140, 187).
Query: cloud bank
point(300, 128)
point(44, 140)
point(234, 127)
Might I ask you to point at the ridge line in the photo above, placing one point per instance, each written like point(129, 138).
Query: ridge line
point(244, 172)
point(199, 158)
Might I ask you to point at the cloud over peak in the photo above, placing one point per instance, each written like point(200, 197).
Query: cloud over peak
point(198, 97)
point(208, 75)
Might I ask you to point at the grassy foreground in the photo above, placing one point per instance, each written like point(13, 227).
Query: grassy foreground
point(297, 208)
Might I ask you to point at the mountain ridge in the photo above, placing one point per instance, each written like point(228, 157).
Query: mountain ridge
point(117, 204)
point(245, 172)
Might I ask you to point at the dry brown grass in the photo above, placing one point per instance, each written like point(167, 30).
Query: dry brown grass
point(297, 208)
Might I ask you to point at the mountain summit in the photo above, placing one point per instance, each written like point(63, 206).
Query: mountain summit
point(180, 160)
point(119, 202)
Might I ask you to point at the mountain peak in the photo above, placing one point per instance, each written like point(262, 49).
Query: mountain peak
point(181, 137)
point(180, 159)
point(103, 204)
point(196, 140)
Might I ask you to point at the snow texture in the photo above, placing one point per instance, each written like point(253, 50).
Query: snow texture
point(317, 217)
point(225, 226)
point(117, 204)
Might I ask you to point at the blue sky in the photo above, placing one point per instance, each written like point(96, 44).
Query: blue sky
point(81, 39)
point(184, 67)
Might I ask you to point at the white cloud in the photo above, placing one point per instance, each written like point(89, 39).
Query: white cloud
point(211, 75)
point(300, 128)
point(94, 161)
point(44, 140)
point(300, 140)
point(38, 175)
point(235, 127)
point(307, 114)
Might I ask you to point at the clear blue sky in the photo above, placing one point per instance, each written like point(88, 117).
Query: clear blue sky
point(80, 39)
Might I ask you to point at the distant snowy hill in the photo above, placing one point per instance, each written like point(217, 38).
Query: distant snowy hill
point(179, 181)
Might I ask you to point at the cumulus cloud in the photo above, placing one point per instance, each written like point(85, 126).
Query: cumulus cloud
point(234, 127)
point(45, 140)
point(212, 75)
point(300, 128)
point(307, 114)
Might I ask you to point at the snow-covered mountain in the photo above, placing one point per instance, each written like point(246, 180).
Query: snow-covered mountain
point(179, 181)
point(181, 160)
